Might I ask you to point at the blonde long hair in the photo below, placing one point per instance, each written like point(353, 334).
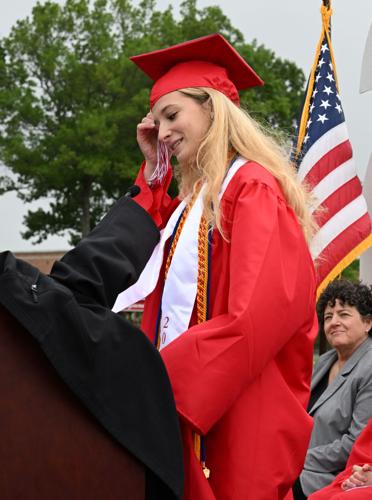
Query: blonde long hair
point(233, 130)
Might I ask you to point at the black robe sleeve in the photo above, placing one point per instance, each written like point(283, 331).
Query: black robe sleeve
point(108, 363)
point(111, 257)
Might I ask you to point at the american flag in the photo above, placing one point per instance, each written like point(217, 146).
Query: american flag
point(324, 158)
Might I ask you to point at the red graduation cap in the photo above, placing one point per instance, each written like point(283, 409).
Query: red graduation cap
point(209, 61)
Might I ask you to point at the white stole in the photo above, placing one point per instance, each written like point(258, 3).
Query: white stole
point(180, 287)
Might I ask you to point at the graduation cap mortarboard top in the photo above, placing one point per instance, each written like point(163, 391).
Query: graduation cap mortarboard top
point(209, 61)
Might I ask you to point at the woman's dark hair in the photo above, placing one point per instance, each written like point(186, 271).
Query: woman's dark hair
point(347, 292)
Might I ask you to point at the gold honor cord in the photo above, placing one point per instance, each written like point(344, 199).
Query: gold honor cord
point(202, 314)
point(201, 294)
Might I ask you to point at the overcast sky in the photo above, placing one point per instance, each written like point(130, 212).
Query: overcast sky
point(291, 28)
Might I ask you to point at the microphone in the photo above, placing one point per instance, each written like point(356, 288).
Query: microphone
point(132, 191)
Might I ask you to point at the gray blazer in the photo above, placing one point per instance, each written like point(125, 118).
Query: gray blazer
point(339, 415)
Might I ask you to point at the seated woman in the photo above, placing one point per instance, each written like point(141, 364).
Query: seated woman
point(355, 482)
point(341, 388)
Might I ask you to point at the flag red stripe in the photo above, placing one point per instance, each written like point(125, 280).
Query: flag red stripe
point(338, 199)
point(342, 245)
point(329, 162)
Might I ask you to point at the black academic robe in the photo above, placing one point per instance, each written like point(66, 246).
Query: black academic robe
point(107, 362)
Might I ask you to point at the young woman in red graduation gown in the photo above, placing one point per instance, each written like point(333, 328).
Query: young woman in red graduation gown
point(233, 304)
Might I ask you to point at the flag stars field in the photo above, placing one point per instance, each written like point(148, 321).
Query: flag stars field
point(325, 111)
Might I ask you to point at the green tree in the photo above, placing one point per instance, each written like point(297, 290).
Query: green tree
point(351, 272)
point(70, 100)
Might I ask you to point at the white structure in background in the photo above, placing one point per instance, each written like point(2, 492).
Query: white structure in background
point(365, 86)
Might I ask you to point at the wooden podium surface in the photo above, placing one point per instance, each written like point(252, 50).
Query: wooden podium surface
point(51, 448)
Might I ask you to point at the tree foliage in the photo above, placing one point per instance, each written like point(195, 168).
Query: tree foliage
point(352, 271)
point(70, 100)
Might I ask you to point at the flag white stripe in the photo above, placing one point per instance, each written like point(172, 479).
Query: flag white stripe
point(337, 224)
point(334, 137)
point(333, 181)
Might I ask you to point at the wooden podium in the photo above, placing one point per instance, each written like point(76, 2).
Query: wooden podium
point(51, 448)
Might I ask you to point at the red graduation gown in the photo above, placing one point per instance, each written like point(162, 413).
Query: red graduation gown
point(242, 378)
point(361, 453)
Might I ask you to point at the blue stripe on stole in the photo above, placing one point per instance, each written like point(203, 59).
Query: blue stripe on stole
point(157, 326)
